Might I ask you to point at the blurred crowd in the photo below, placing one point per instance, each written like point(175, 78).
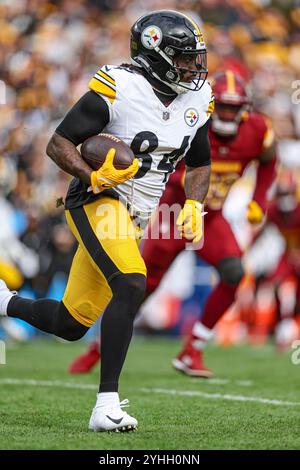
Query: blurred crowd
point(49, 49)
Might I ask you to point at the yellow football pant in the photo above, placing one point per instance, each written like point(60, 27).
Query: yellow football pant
point(107, 247)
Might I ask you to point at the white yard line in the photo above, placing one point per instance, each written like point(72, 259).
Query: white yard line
point(216, 381)
point(48, 383)
point(161, 391)
point(244, 383)
point(219, 396)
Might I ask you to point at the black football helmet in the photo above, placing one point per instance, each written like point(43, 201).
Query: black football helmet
point(170, 47)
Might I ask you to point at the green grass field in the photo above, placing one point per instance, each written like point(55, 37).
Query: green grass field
point(253, 403)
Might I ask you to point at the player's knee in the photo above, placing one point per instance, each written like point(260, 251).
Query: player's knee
point(231, 270)
point(66, 327)
point(129, 287)
point(71, 335)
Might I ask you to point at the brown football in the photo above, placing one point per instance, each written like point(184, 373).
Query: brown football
point(94, 150)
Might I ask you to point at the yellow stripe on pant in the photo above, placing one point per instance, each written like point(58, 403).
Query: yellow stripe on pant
point(107, 247)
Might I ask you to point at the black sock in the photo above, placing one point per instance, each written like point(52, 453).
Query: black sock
point(117, 327)
point(46, 315)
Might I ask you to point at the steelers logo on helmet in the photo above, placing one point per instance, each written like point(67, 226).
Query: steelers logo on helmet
point(151, 37)
point(191, 117)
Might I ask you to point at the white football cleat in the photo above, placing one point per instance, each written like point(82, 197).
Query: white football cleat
point(112, 418)
point(5, 296)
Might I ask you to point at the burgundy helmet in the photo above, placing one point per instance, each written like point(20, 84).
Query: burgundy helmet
point(231, 102)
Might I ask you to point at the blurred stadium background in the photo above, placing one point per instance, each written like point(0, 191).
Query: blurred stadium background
point(49, 50)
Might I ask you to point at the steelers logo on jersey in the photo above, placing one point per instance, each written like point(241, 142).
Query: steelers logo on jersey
point(151, 37)
point(191, 117)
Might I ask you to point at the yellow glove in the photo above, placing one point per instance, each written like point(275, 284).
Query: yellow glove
point(190, 220)
point(255, 213)
point(108, 176)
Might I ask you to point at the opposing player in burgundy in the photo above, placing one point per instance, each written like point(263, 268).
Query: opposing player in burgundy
point(238, 136)
point(284, 213)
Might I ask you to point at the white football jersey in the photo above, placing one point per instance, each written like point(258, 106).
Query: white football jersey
point(159, 136)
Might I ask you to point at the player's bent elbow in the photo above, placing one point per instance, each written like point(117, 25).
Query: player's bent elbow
point(56, 146)
point(50, 149)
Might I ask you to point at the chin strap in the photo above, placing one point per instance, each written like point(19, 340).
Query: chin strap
point(179, 88)
point(175, 87)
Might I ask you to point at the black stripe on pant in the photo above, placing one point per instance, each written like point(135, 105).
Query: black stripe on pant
point(93, 245)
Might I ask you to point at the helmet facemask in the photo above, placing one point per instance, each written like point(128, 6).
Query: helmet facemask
point(226, 118)
point(186, 69)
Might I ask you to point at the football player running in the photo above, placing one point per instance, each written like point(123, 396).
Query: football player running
point(237, 137)
point(159, 105)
